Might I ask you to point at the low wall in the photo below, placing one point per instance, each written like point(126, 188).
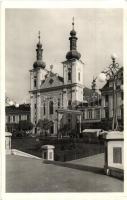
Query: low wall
point(21, 153)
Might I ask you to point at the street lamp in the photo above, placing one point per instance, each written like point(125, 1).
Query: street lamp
point(112, 74)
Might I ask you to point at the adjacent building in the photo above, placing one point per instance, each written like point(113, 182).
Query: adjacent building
point(16, 114)
point(108, 100)
point(99, 114)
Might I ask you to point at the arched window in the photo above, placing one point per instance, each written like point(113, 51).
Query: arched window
point(69, 75)
point(52, 128)
point(79, 76)
point(35, 82)
point(58, 103)
point(51, 107)
point(44, 108)
point(69, 103)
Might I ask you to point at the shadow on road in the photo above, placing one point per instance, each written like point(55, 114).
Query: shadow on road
point(97, 170)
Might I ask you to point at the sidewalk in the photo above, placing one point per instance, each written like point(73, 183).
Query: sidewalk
point(31, 175)
point(96, 161)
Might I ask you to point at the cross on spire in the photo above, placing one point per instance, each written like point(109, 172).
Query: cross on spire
point(73, 23)
point(39, 35)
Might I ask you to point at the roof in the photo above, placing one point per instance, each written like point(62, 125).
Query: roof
point(61, 78)
point(51, 80)
point(21, 108)
point(91, 130)
point(108, 135)
point(8, 134)
point(48, 147)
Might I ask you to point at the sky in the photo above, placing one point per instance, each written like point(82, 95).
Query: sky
point(99, 32)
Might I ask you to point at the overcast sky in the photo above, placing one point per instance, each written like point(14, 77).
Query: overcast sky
point(99, 32)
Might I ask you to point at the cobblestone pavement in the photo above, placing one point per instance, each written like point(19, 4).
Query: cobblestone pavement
point(32, 175)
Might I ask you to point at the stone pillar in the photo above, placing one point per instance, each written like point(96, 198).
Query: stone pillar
point(8, 142)
point(59, 117)
point(80, 121)
point(48, 152)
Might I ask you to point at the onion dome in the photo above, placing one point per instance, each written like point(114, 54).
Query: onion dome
point(73, 53)
point(73, 32)
point(39, 63)
point(39, 45)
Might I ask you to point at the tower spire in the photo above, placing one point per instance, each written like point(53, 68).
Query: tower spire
point(39, 36)
point(39, 50)
point(73, 23)
point(73, 53)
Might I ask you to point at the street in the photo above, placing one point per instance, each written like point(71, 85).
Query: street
point(83, 175)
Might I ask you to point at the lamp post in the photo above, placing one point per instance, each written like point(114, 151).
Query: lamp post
point(112, 74)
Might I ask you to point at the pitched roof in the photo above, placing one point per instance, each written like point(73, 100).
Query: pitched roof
point(52, 80)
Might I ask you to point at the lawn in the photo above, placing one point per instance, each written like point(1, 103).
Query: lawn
point(65, 150)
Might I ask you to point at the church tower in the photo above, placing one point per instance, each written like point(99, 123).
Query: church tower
point(73, 73)
point(37, 75)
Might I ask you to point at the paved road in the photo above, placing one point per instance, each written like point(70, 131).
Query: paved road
point(31, 175)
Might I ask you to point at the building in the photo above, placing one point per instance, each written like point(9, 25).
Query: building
point(108, 100)
point(50, 92)
point(100, 115)
point(16, 114)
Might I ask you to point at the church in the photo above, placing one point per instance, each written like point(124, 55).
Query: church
point(50, 92)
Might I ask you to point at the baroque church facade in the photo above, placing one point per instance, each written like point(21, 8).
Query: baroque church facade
point(50, 92)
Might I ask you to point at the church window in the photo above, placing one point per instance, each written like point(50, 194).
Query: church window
point(44, 108)
point(51, 107)
point(35, 83)
point(79, 76)
point(58, 103)
point(52, 128)
point(35, 105)
point(9, 118)
point(69, 75)
point(13, 118)
point(69, 103)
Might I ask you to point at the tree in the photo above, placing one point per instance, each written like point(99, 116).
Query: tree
point(25, 125)
point(44, 125)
